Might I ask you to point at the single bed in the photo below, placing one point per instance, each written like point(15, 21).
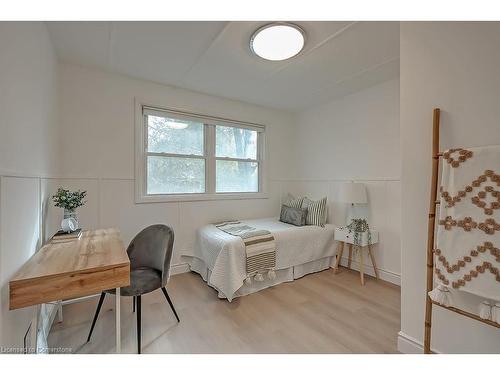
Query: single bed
point(220, 257)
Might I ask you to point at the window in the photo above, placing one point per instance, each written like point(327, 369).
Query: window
point(175, 156)
point(183, 156)
point(237, 165)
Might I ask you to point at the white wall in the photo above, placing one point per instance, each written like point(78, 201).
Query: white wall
point(28, 151)
point(97, 122)
point(454, 66)
point(356, 138)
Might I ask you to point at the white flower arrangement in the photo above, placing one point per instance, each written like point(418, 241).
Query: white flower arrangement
point(69, 200)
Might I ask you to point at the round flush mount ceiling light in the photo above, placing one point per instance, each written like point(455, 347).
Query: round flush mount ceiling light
point(278, 41)
point(176, 125)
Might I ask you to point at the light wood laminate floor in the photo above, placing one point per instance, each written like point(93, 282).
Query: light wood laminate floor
point(319, 313)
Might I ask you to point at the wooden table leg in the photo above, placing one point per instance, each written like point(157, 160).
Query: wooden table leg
point(350, 256)
point(373, 261)
point(340, 250)
point(361, 266)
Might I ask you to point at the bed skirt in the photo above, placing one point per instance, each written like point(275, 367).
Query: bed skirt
point(284, 275)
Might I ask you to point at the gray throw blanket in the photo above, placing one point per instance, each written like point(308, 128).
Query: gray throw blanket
point(260, 248)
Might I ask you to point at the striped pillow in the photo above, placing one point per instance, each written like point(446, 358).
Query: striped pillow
point(316, 211)
point(291, 201)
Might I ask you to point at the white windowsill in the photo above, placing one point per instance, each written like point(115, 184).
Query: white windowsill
point(198, 197)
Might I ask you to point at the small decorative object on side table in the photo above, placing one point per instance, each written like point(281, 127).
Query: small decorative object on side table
point(361, 240)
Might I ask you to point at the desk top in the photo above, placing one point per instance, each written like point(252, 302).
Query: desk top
point(73, 268)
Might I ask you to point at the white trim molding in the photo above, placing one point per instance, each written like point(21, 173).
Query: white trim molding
point(386, 275)
point(410, 345)
point(199, 197)
point(143, 108)
point(178, 268)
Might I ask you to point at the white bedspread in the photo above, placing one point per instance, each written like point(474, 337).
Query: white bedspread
point(224, 254)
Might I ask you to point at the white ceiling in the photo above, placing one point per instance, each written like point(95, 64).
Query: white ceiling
point(214, 57)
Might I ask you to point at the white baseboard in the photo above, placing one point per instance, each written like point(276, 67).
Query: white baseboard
point(178, 268)
point(386, 275)
point(410, 345)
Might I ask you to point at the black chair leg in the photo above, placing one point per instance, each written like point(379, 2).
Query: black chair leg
point(138, 300)
point(133, 304)
point(99, 305)
point(170, 303)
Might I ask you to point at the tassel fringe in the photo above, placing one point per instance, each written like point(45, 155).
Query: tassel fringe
point(495, 313)
point(441, 294)
point(271, 275)
point(485, 310)
point(258, 277)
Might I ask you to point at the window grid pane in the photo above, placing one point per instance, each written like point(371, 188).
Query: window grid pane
point(237, 176)
point(175, 175)
point(172, 136)
point(235, 143)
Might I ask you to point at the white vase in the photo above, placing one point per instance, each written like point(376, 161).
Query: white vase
point(70, 214)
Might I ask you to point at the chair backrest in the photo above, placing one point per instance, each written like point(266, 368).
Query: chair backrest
point(152, 247)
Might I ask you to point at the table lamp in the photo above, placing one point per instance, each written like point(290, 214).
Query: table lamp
point(355, 194)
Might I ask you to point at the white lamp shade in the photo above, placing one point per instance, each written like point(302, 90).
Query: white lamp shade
point(353, 192)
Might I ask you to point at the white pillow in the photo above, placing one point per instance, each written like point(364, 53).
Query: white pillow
point(316, 211)
point(291, 201)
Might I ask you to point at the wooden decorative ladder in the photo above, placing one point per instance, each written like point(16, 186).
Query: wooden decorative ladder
point(436, 154)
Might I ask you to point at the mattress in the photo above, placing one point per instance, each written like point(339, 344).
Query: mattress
point(224, 254)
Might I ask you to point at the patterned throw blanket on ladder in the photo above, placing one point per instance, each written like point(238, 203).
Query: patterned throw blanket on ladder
point(260, 248)
point(467, 252)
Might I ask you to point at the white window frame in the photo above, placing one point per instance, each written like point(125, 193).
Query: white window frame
point(209, 122)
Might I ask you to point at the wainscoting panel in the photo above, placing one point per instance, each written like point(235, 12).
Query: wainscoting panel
point(392, 229)
point(111, 203)
point(19, 240)
point(118, 209)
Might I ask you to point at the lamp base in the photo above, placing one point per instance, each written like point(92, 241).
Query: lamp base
point(356, 212)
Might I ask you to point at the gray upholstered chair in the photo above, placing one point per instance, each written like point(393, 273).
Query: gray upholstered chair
point(150, 253)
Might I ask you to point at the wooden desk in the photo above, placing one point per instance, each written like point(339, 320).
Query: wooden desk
point(71, 269)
